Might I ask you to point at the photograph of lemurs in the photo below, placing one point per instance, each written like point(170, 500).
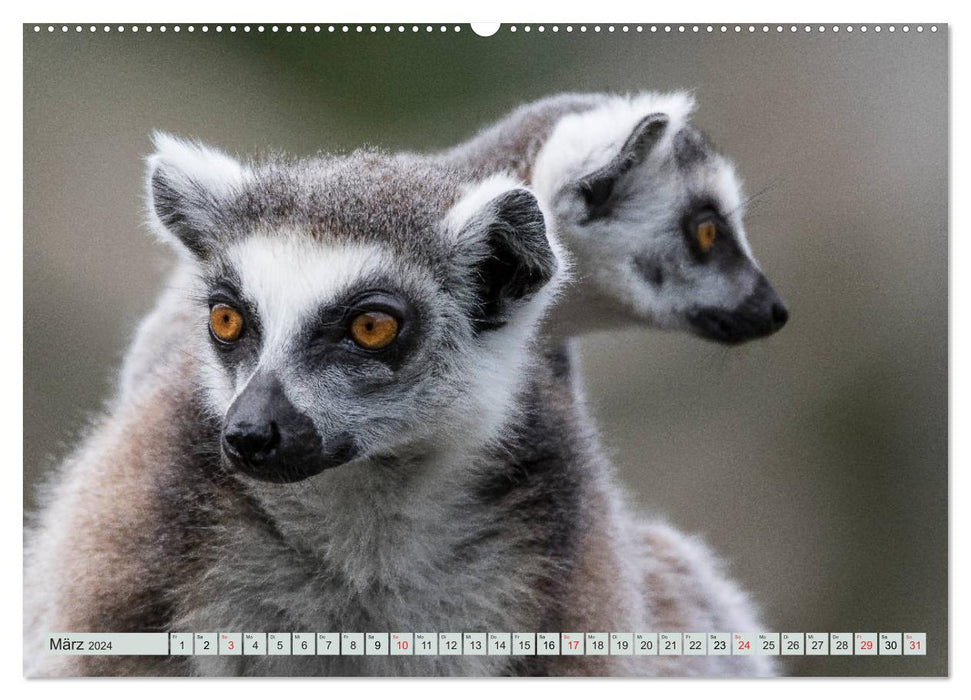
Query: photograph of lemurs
point(561, 331)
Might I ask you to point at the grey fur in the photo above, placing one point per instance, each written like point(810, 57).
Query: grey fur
point(539, 544)
point(526, 531)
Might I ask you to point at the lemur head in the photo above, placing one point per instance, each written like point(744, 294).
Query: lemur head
point(352, 307)
point(653, 217)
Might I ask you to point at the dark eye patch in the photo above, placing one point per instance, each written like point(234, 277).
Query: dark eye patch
point(326, 336)
point(709, 236)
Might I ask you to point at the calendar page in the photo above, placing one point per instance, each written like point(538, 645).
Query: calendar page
point(522, 349)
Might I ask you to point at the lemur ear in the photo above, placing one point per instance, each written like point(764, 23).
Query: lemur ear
point(598, 187)
point(510, 255)
point(186, 181)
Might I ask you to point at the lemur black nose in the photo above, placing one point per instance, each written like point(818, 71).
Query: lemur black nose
point(268, 438)
point(253, 442)
point(780, 314)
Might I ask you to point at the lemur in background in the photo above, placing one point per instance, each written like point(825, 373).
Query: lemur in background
point(650, 214)
point(359, 432)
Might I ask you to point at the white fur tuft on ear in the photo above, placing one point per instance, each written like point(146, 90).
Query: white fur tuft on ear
point(183, 180)
point(209, 167)
point(478, 195)
point(505, 236)
point(678, 106)
point(475, 197)
point(583, 142)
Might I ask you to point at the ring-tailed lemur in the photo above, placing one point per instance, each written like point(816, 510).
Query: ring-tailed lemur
point(651, 215)
point(649, 212)
point(359, 435)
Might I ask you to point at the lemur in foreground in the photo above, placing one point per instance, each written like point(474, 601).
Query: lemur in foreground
point(650, 214)
point(359, 432)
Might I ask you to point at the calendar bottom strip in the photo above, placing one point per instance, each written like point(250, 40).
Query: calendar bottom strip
point(490, 644)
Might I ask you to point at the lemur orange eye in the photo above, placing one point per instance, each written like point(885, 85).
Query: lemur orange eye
point(374, 330)
point(706, 235)
point(226, 323)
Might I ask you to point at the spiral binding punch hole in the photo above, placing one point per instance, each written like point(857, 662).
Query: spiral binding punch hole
point(488, 29)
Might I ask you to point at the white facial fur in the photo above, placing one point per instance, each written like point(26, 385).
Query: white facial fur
point(288, 277)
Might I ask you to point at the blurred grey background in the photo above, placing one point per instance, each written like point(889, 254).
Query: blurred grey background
point(815, 461)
